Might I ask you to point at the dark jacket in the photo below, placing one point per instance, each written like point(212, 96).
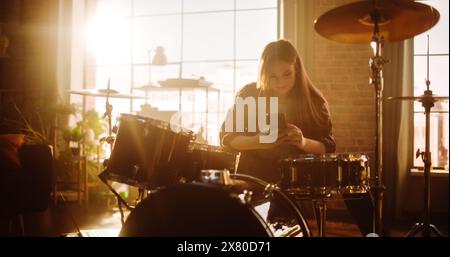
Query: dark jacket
point(264, 164)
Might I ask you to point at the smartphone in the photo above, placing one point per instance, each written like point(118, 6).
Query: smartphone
point(282, 123)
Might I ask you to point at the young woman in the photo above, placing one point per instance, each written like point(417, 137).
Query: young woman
point(308, 129)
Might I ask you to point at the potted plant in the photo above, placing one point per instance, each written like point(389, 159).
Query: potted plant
point(74, 138)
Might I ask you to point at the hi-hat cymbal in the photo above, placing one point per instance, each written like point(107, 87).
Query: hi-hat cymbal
point(108, 91)
point(399, 20)
point(104, 93)
point(146, 88)
point(420, 98)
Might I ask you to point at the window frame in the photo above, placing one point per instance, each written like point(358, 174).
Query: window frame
point(132, 64)
point(418, 111)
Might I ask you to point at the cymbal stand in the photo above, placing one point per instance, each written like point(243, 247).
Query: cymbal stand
point(376, 80)
point(110, 140)
point(425, 226)
point(319, 204)
point(108, 114)
point(320, 210)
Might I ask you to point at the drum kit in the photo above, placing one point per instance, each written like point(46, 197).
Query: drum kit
point(190, 189)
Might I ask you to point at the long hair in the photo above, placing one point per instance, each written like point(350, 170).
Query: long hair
point(310, 105)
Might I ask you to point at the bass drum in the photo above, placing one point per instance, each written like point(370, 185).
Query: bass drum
point(247, 206)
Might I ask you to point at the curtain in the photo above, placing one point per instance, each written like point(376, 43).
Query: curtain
point(397, 126)
point(296, 25)
point(64, 37)
point(72, 17)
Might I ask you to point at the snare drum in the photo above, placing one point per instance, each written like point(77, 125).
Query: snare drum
point(146, 152)
point(325, 174)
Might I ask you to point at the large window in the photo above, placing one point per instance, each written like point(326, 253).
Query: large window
point(219, 40)
point(438, 72)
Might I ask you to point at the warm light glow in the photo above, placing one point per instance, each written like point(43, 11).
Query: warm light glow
point(108, 38)
point(118, 40)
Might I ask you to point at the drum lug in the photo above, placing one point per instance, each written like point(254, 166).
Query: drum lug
point(246, 196)
point(269, 189)
point(216, 176)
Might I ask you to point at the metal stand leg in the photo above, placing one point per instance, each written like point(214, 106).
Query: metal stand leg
point(436, 230)
point(426, 227)
point(427, 231)
point(414, 229)
point(376, 196)
point(320, 210)
point(376, 80)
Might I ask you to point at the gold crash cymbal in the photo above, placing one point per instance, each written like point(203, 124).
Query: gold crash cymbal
point(420, 98)
point(399, 20)
point(104, 93)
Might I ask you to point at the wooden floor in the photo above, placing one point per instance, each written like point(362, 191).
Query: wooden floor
point(70, 217)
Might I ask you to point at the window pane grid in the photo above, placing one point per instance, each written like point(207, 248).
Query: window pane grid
point(167, 25)
point(438, 69)
point(199, 12)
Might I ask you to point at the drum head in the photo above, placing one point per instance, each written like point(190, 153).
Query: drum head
point(312, 158)
point(193, 210)
point(353, 157)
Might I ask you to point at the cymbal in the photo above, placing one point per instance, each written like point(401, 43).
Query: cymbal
point(419, 98)
point(147, 88)
point(399, 20)
point(185, 83)
point(107, 90)
point(171, 84)
point(104, 93)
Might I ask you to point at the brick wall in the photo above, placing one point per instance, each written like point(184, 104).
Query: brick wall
point(341, 72)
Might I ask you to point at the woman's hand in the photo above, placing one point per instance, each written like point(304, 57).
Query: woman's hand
point(294, 136)
point(242, 143)
point(281, 139)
